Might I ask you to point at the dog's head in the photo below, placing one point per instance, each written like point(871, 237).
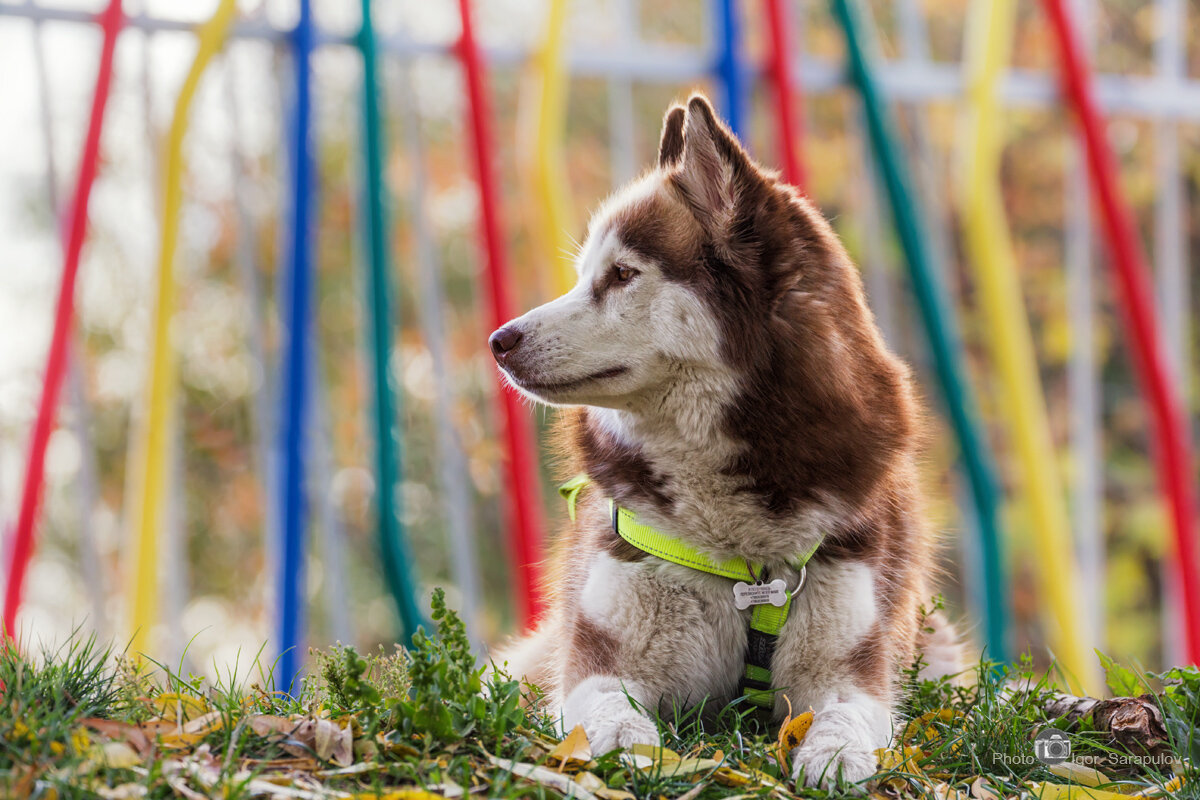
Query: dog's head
point(708, 276)
point(634, 323)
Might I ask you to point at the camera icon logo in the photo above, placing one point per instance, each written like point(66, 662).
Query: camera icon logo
point(1052, 746)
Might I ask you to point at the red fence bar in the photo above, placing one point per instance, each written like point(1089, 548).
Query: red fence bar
point(524, 510)
point(788, 123)
point(110, 21)
point(1172, 450)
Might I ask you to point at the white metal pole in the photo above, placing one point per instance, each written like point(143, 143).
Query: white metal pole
point(454, 476)
point(1083, 377)
point(1171, 277)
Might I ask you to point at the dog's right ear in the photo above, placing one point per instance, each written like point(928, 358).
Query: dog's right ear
point(714, 171)
point(670, 146)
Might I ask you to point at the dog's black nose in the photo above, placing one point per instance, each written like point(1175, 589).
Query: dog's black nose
point(504, 341)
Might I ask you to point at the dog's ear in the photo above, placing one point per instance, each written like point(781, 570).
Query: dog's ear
point(670, 146)
point(714, 167)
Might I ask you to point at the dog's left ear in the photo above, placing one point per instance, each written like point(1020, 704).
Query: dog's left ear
point(714, 167)
point(670, 146)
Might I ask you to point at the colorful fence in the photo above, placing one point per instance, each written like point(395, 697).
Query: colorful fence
point(1040, 487)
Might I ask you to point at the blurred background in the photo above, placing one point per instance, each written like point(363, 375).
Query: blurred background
point(625, 61)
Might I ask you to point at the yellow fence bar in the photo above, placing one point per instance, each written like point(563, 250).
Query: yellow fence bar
point(162, 381)
point(989, 248)
point(548, 159)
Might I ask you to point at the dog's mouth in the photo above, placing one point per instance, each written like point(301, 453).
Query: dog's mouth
point(558, 387)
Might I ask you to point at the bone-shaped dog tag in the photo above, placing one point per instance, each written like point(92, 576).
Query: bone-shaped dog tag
point(757, 594)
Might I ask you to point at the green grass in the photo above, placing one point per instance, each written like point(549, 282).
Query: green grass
point(84, 722)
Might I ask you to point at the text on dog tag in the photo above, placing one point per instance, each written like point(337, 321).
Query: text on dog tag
point(757, 594)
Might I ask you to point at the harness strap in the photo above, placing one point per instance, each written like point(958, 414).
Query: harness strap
point(766, 620)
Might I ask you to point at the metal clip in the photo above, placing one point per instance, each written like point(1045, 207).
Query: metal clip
point(800, 585)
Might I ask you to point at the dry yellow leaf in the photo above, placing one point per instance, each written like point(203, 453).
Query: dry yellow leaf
point(1074, 772)
point(193, 731)
point(791, 734)
point(590, 781)
point(902, 761)
point(543, 776)
point(655, 753)
point(573, 751)
point(1060, 791)
point(1170, 787)
point(923, 725)
point(179, 707)
point(683, 767)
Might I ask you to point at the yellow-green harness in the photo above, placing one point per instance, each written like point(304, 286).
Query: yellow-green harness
point(766, 620)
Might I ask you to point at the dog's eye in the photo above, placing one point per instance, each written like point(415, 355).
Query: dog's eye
point(623, 273)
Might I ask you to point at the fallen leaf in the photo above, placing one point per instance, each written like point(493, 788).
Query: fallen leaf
point(1074, 772)
point(193, 730)
point(575, 750)
point(179, 784)
point(293, 763)
point(333, 743)
point(903, 762)
point(389, 745)
point(406, 793)
point(353, 769)
point(608, 793)
point(682, 767)
point(791, 734)
point(305, 735)
point(944, 791)
point(122, 731)
point(447, 788)
point(117, 755)
point(125, 791)
point(983, 790)
point(694, 792)
point(543, 776)
point(1170, 787)
point(590, 781)
point(1061, 791)
point(923, 726)
point(906, 760)
point(655, 753)
point(179, 707)
point(267, 724)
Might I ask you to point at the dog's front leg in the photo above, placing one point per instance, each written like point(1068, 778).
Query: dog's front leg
point(840, 660)
point(610, 711)
point(638, 640)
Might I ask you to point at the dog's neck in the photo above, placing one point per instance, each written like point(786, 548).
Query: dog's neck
point(684, 484)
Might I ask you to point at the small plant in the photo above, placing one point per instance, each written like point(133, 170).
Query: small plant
point(446, 701)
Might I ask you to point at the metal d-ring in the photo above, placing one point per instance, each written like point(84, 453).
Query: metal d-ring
point(800, 585)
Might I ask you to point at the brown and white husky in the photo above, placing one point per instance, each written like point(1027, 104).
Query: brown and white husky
point(728, 384)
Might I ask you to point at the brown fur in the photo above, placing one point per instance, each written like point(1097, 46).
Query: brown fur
point(825, 420)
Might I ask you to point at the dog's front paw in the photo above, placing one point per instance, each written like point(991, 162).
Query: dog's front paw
point(827, 761)
point(605, 707)
point(840, 747)
point(610, 728)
